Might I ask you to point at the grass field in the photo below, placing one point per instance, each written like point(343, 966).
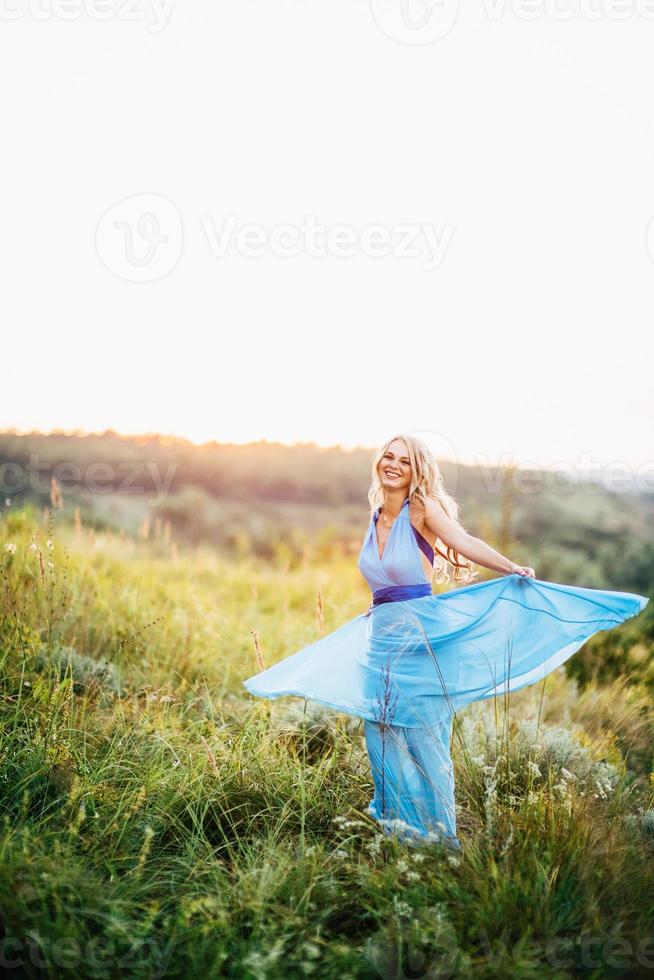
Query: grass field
point(157, 821)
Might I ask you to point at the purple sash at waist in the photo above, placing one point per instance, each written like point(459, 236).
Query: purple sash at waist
point(399, 593)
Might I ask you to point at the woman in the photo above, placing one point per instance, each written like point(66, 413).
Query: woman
point(415, 658)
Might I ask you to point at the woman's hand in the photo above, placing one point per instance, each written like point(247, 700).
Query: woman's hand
point(523, 570)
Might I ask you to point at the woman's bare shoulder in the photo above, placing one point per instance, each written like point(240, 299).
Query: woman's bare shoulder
point(420, 510)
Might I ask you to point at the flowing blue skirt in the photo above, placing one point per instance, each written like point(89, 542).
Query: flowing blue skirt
point(407, 666)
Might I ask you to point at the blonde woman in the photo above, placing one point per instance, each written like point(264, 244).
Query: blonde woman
point(414, 658)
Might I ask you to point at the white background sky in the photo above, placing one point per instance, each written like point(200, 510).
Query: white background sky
point(533, 141)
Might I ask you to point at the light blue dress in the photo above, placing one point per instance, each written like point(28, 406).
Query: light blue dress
point(413, 659)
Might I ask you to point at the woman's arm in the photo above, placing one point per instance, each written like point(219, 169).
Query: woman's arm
point(472, 548)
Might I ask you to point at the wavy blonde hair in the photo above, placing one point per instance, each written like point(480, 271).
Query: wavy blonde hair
point(426, 483)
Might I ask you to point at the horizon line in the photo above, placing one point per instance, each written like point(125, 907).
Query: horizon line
point(171, 438)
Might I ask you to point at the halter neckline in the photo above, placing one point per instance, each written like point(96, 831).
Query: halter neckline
point(421, 541)
point(404, 503)
point(392, 528)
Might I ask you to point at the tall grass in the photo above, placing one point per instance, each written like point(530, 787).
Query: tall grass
point(156, 821)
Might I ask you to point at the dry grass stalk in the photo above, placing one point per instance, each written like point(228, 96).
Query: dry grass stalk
point(56, 496)
point(211, 757)
point(320, 613)
point(41, 567)
point(257, 647)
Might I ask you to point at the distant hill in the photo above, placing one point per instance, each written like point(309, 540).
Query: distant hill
point(252, 496)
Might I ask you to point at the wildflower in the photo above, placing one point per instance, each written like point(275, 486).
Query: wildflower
point(396, 824)
point(49, 544)
point(560, 744)
point(340, 854)
point(374, 846)
point(412, 876)
point(533, 769)
point(10, 547)
point(310, 950)
point(261, 963)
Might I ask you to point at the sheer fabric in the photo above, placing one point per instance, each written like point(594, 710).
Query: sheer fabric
point(406, 666)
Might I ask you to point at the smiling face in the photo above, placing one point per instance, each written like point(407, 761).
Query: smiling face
point(395, 467)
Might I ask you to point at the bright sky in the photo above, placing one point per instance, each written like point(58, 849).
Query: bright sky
point(275, 158)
